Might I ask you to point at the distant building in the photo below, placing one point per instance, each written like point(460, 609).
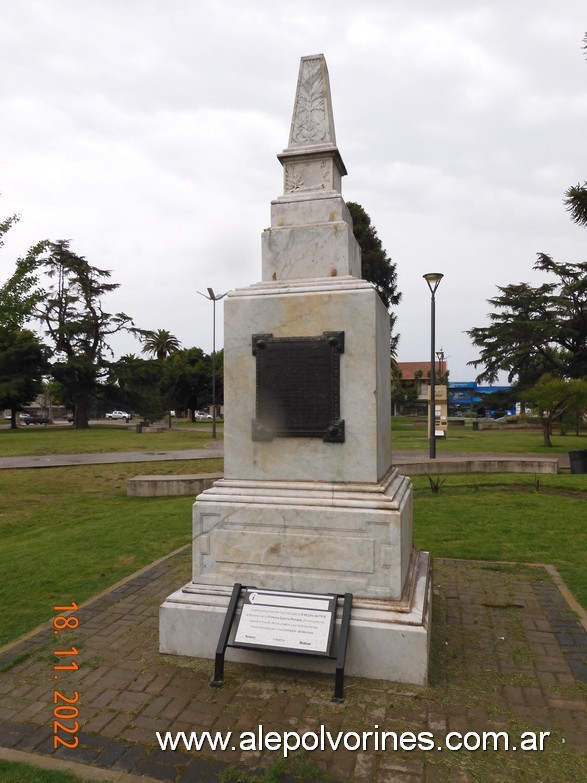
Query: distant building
point(410, 386)
point(468, 396)
point(410, 391)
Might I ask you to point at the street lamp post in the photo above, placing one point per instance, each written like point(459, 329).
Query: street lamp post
point(433, 279)
point(440, 355)
point(213, 298)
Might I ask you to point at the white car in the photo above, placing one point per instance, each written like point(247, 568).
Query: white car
point(119, 415)
point(201, 416)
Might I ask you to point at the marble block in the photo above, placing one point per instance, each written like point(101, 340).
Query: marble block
point(320, 250)
point(388, 640)
point(298, 209)
point(306, 536)
point(300, 309)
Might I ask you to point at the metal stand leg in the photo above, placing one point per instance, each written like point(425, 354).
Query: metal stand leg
point(342, 647)
point(223, 640)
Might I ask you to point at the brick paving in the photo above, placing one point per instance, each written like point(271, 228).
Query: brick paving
point(507, 655)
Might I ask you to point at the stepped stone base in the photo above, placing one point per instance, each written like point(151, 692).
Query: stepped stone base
point(388, 640)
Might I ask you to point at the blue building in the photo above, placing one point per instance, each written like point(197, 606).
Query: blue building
point(467, 396)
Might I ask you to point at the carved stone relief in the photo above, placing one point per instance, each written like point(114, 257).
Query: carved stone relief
point(310, 124)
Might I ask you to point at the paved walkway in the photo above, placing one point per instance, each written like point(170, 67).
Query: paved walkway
point(111, 458)
point(507, 655)
point(216, 449)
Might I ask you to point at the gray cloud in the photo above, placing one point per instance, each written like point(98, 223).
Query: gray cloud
point(147, 132)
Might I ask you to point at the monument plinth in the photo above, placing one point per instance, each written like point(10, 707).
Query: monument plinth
point(309, 500)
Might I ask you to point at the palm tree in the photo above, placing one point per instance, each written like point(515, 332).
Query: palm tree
point(160, 343)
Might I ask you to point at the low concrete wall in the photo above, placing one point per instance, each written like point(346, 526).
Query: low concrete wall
point(446, 466)
point(193, 484)
point(168, 486)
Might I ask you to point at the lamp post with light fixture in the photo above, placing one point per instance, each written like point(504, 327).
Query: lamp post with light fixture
point(213, 298)
point(440, 355)
point(433, 279)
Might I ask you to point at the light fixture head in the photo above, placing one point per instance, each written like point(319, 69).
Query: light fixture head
point(433, 279)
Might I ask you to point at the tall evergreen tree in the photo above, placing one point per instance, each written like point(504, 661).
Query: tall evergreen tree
point(71, 313)
point(23, 362)
point(576, 196)
point(536, 330)
point(377, 267)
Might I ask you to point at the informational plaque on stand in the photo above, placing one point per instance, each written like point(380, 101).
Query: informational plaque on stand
point(294, 622)
point(286, 622)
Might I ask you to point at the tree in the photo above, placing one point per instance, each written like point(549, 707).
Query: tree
point(71, 312)
point(377, 267)
point(20, 293)
point(538, 330)
point(552, 397)
point(160, 343)
point(187, 379)
point(23, 359)
point(136, 384)
point(576, 203)
point(499, 401)
point(6, 225)
point(23, 362)
point(576, 196)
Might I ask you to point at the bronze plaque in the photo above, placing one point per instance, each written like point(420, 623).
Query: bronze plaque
point(298, 387)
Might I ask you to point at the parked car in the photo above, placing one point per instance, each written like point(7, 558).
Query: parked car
point(202, 416)
point(37, 420)
point(24, 416)
point(119, 415)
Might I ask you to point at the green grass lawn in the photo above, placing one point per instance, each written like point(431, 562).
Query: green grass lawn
point(37, 441)
point(513, 517)
point(69, 533)
point(16, 772)
point(407, 434)
point(411, 434)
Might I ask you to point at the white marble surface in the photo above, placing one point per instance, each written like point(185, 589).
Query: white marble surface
point(298, 209)
point(298, 513)
point(319, 250)
point(312, 119)
point(387, 640)
point(315, 537)
point(300, 310)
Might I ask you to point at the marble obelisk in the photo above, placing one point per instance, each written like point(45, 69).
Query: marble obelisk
point(309, 500)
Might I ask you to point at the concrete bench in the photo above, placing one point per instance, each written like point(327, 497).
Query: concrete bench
point(479, 465)
point(169, 486)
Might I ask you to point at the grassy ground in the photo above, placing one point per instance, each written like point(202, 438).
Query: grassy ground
point(522, 518)
point(411, 434)
point(298, 766)
point(15, 772)
point(35, 441)
point(408, 434)
point(69, 533)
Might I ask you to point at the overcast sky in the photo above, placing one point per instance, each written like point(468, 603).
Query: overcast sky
point(146, 131)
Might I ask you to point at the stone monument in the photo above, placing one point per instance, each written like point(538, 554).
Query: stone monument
point(310, 501)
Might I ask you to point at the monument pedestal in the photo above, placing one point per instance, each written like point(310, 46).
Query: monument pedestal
point(306, 537)
point(388, 640)
point(318, 537)
point(309, 501)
